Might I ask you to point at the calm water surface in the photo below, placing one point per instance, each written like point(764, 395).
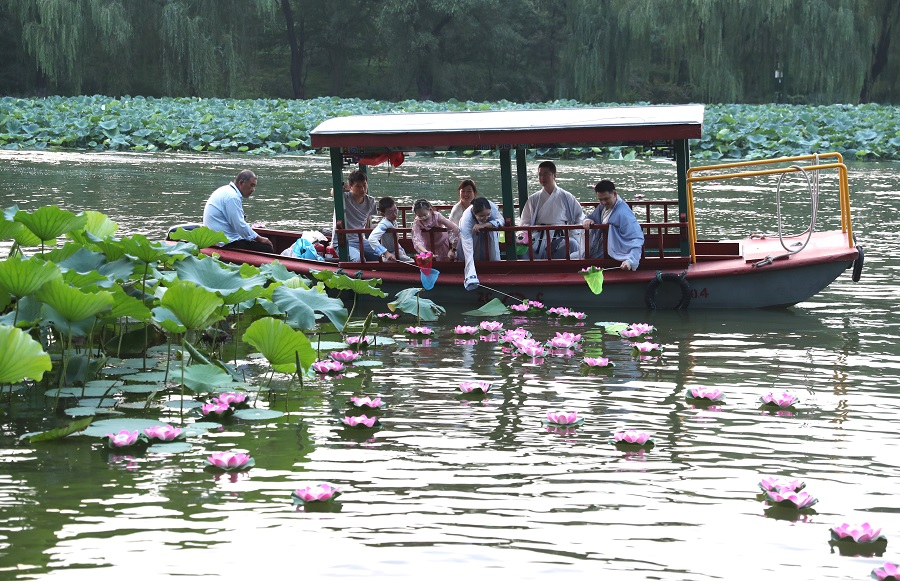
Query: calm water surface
point(461, 486)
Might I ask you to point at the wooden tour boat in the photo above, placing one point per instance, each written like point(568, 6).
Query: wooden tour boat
point(678, 267)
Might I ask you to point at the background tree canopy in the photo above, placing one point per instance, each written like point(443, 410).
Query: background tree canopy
point(739, 51)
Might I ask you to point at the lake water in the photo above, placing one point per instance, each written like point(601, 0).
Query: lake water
point(452, 486)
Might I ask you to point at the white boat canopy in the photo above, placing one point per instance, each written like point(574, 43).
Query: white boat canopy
point(507, 129)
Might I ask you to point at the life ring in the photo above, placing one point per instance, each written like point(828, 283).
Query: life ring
point(858, 263)
point(680, 279)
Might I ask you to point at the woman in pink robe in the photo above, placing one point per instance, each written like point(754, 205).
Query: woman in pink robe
point(444, 247)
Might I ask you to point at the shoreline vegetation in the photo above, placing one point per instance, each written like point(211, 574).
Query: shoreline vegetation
point(866, 132)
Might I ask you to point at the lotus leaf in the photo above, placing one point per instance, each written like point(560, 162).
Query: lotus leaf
point(280, 344)
point(408, 301)
point(125, 305)
point(73, 304)
point(100, 428)
point(201, 237)
point(170, 448)
point(138, 246)
point(192, 305)
point(204, 378)
point(21, 277)
point(167, 320)
point(492, 308)
point(91, 411)
point(59, 433)
point(257, 414)
point(27, 314)
point(344, 282)
point(21, 357)
point(209, 274)
point(300, 305)
point(48, 222)
point(9, 228)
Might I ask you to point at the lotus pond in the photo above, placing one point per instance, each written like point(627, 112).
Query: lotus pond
point(519, 444)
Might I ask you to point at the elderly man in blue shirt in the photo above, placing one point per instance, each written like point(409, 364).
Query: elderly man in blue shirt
point(626, 239)
point(224, 212)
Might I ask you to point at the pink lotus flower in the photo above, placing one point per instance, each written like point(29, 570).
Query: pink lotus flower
point(388, 315)
point(573, 337)
point(535, 350)
point(419, 330)
point(230, 461)
point(631, 437)
point(535, 304)
point(562, 418)
point(475, 386)
point(560, 342)
point(122, 439)
point(597, 362)
point(424, 256)
point(710, 393)
point(465, 330)
point(366, 402)
point(360, 421)
point(863, 533)
point(558, 311)
point(574, 315)
point(890, 572)
point(645, 347)
point(215, 408)
point(345, 356)
point(778, 483)
point(164, 433)
point(328, 366)
point(231, 398)
point(525, 342)
point(636, 330)
point(361, 343)
point(791, 499)
point(491, 326)
point(782, 400)
point(521, 307)
point(316, 493)
point(513, 335)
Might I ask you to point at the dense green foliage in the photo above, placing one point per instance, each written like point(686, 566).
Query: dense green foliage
point(826, 51)
point(865, 132)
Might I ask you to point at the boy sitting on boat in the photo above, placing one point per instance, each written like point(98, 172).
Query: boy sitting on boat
point(386, 250)
point(358, 207)
point(625, 237)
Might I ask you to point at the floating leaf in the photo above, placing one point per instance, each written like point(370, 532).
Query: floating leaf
point(59, 433)
point(408, 301)
point(493, 308)
point(257, 414)
point(21, 357)
point(280, 344)
point(100, 428)
point(170, 448)
point(204, 378)
point(90, 411)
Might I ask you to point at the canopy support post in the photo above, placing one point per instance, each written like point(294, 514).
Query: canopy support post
point(682, 164)
point(509, 212)
point(337, 187)
point(522, 174)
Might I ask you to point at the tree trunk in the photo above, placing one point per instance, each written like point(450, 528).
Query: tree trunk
point(879, 54)
point(296, 51)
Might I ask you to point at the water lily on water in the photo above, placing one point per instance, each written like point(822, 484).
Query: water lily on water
point(513, 335)
point(475, 387)
point(345, 356)
point(645, 347)
point(465, 330)
point(388, 315)
point(122, 439)
point(558, 311)
point(778, 483)
point(531, 350)
point(782, 400)
point(360, 342)
point(707, 393)
point(215, 408)
point(316, 493)
point(491, 326)
point(164, 433)
point(631, 437)
point(791, 499)
point(864, 533)
point(534, 304)
point(366, 402)
point(890, 572)
point(328, 366)
point(230, 461)
point(563, 418)
point(636, 330)
point(521, 307)
point(360, 421)
point(578, 315)
point(597, 362)
point(419, 330)
point(573, 337)
point(232, 399)
point(559, 342)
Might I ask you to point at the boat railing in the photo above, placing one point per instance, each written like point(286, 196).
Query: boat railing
point(747, 169)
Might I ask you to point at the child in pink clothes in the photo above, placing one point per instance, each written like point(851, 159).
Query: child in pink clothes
point(444, 246)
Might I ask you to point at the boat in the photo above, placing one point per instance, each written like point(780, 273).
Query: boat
point(680, 268)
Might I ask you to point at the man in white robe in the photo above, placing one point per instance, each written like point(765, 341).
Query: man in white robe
point(553, 206)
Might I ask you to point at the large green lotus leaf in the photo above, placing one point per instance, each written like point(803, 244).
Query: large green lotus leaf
point(125, 305)
point(58, 433)
point(493, 308)
point(99, 224)
point(26, 237)
point(612, 328)
point(72, 303)
point(91, 411)
point(52, 317)
point(82, 260)
point(204, 378)
point(276, 271)
point(408, 301)
point(112, 248)
point(300, 305)
point(119, 270)
point(209, 274)
point(87, 281)
point(27, 314)
point(191, 304)
point(81, 368)
point(48, 222)
point(21, 357)
point(21, 277)
point(248, 270)
point(170, 448)
point(5, 300)
point(167, 320)
point(138, 246)
point(343, 282)
point(100, 428)
point(9, 229)
point(280, 344)
point(201, 237)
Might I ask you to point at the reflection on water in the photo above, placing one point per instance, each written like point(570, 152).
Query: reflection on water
point(481, 484)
